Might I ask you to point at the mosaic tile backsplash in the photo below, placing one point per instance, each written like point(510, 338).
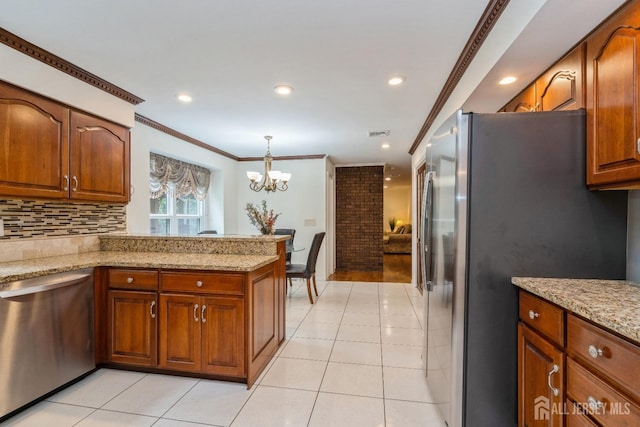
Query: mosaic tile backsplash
point(24, 219)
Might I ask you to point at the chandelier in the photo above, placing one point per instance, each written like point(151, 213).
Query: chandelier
point(271, 180)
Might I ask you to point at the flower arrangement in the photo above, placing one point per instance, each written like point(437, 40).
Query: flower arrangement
point(262, 218)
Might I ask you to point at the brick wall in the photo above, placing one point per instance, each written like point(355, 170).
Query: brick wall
point(359, 218)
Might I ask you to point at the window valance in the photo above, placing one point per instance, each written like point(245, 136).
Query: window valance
point(177, 178)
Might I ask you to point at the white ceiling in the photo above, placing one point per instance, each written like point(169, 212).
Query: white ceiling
point(337, 54)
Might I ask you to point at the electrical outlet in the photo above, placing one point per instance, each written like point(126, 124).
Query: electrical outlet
point(310, 222)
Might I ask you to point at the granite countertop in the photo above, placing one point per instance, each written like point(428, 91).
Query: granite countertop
point(19, 270)
point(614, 304)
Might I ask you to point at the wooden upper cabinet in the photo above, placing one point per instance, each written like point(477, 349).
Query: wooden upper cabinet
point(561, 87)
point(99, 153)
point(523, 103)
point(613, 144)
point(33, 145)
point(50, 151)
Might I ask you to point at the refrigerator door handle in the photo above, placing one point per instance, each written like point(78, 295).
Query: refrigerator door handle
point(426, 257)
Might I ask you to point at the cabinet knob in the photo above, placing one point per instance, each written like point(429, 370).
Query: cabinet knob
point(595, 352)
point(129, 279)
point(594, 404)
point(199, 283)
point(533, 314)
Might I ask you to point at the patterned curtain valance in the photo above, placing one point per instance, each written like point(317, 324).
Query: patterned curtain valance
point(177, 178)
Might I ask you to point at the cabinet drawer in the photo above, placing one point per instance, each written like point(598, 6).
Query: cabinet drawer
point(576, 416)
point(133, 279)
point(607, 353)
point(598, 399)
point(542, 316)
point(218, 283)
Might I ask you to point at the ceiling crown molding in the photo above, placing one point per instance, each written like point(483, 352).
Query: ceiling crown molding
point(165, 129)
point(65, 66)
point(488, 19)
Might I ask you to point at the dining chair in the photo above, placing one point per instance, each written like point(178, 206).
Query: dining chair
point(287, 232)
point(307, 271)
point(208, 232)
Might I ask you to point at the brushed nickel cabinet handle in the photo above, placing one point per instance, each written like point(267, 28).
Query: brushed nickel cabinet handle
point(199, 283)
point(74, 180)
point(153, 315)
point(66, 183)
point(129, 279)
point(554, 369)
point(195, 312)
point(204, 319)
point(533, 314)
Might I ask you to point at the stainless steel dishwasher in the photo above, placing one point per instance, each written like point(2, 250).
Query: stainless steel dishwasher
point(46, 335)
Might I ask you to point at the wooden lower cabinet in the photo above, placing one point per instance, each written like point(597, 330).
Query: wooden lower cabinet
point(221, 324)
point(132, 329)
point(202, 334)
point(540, 382)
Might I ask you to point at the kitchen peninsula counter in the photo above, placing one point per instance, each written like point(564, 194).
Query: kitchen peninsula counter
point(205, 306)
point(613, 304)
point(221, 253)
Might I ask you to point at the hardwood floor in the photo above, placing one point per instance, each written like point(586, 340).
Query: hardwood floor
point(397, 268)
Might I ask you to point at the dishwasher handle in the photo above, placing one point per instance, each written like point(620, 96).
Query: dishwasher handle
point(48, 286)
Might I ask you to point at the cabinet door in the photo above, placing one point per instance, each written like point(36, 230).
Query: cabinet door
point(613, 53)
point(132, 328)
point(524, 102)
point(34, 149)
point(99, 159)
point(179, 332)
point(561, 86)
point(223, 336)
point(540, 372)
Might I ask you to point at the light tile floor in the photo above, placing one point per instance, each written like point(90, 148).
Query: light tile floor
point(351, 359)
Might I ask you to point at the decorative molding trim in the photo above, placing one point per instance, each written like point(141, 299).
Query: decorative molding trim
point(488, 19)
point(305, 157)
point(65, 66)
point(165, 129)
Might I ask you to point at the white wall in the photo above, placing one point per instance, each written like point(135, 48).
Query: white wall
point(221, 210)
point(304, 201)
point(28, 73)
point(397, 204)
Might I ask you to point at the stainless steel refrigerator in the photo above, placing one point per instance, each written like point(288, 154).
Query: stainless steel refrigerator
point(505, 196)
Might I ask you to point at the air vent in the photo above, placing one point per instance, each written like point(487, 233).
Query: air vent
point(375, 133)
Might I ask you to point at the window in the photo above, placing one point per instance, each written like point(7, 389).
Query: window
point(177, 193)
point(174, 215)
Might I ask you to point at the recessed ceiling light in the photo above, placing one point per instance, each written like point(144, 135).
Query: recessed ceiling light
point(184, 98)
point(388, 178)
point(386, 186)
point(385, 145)
point(507, 80)
point(396, 80)
point(283, 89)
